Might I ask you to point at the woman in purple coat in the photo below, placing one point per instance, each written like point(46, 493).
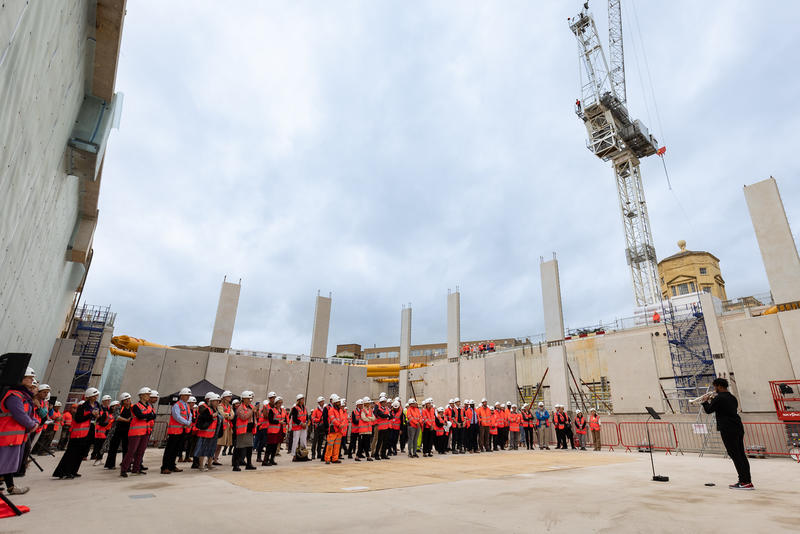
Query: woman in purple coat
point(16, 412)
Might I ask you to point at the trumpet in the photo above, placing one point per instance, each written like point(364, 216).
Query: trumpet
point(702, 398)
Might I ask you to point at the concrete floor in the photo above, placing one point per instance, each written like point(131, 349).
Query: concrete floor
point(521, 491)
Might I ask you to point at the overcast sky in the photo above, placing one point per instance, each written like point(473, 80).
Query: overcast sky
point(387, 151)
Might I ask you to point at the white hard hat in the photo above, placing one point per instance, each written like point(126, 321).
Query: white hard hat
point(271, 395)
point(513, 405)
point(57, 404)
point(412, 400)
point(359, 401)
point(497, 403)
point(456, 400)
point(342, 399)
point(367, 399)
point(246, 394)
point(333, 395)
point(439, 409)
point(153, 393)
point(578, 411)
point(450, 401)
point(508, 403)
point(44, 387)
point(91, 392)
point(234, 401)
point(226, 393)
point(202, 403)
point(334, 398)
point(125, 396)
point(383, 394)
point(300, 396)
point(383, 399)
point(211, 396)
point(278, 398)
point(103, 398)
point(396, 404)
point(541, 404)
point(114, 403)
point(592, 410)
point(484, 400)
point(320, 399)
point(185, 391)
point(29, 372)
point(397, 398)
point(192, 399)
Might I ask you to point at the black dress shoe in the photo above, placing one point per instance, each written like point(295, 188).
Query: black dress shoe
point(122, 474)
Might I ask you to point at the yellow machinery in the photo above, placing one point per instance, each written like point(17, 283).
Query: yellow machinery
point(127, 346)
point(389, 370)
point(782, 307)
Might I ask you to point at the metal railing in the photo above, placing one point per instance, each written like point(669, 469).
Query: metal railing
point(296, 357)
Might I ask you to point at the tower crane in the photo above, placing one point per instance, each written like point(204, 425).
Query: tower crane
point(614, 136)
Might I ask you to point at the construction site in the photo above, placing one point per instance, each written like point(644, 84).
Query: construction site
point(645, 375)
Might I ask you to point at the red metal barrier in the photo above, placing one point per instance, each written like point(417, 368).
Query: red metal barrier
point(634, 435)
point(772, 439)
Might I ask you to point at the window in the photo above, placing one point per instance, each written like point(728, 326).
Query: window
point(683, 289)
point(707, 289)
point(673, 291)
point(702, 270)
point(691, 286)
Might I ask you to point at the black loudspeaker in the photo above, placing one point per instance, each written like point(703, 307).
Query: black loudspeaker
point(12, 367)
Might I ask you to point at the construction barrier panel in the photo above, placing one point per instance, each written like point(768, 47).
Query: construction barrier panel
point(698, 437)
point(772, 439)
point(662, 436)
point(159, 434)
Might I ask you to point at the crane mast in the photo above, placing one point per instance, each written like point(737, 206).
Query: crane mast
point(614, 137)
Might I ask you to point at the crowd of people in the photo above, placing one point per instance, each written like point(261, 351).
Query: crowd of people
point(250, 432)
point(478, 348)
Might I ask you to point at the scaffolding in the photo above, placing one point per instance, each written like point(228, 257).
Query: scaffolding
point(692, 363)
point(89, 323)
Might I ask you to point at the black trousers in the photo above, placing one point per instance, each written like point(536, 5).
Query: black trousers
point(364, 442)
point(427, 440)
point(318, 442)
point(383, 444)
point(119, 437)
point(403, 437)
point(97, 450)
point(173, 449)
point(43, 445)
point(353, 444)
point(734, 444)
point(269, 454)
point(71, 460)
point(528, 437)
point(570, 438)
point(243, 456)
point(561, 439)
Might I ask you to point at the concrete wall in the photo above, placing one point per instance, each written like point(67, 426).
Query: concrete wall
point(501, 377)
point(181, 369)
point(557, 376)
point(358, 385)
point(322, 321)
point(335, 380)
point(757, 353)
point(61, 369)
point(248, 372)
point(473, 379)
point(316, 382)
point(288, 378)
point(632, 368)
point(216, 367)
point(440, 383)
point(790, 327)
point(145, 370)
point(226, 315)
point(778, 250)
point(42, 65)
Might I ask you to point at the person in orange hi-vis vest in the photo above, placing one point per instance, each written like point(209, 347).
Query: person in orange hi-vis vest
point(16, 411)
point(138, 433)
point(69, 414)
point(318, 434)
point(101, 428)
point(580, 429)
point(514, 425)
point(428, 424)
point(594, 427)
point(484, 422)
point(331, 416)
point(414, 423)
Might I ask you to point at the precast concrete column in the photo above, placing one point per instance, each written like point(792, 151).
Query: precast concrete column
point(405, 350)
point(226, 315)
point(778, 250)
point(454, 332)
point(554, 333)
point(322, 320)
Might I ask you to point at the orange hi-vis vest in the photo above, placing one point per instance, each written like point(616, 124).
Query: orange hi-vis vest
point(274, 428)
point(151, 424)
point(468, 417)
point(67, 419)
point(493, 423)
point(484, 416)
point(413, 416)
point(580, 424)
point(80, 430)
point(333, 420)
point(396, 419)
point(195, 411)
point(211, 431)
point(344, 421)
point(302, 416)
point(175, 427)
point(382, 423)
point(355, 422)
point(241, 424)
point(316, 415)
point(262, 417)
point(228, 411)
point(140, 427)
point(559, 420)
point(428, 415)
point(527, 420)
point(101, 431)
point(11, 432)
point(56, 418)
point(502, 419)
point(366, 427)
point(514, 420)
point(440, 420)
point(594, 422)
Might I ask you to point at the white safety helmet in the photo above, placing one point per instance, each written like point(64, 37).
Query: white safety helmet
point(439, 409)
point(497, 404)
point(456, 400)
point(202, 403)
point(450, 401)
point(541, 405)
point(513, 405)
point(185, 391)
point(508, 403)
point(234, 401)
point(335, 398)
point(397, 398)
point(299, 396)
point(154, 393)
point(211, 396)
point(484, 400)
point(124, 396)
point(578, 411)
point(592, 410)
point(245, 394)
point(113, 403)
point(29, 372)
point(102, 399)
point(91, 392)
point(412, 400)
point(271, 395)
point(58, 404)
point(320, 399)
point(44, 387)
point(278, 398)
point(396, 404)
point(226, 393)
point(366, 400)
point(192, 399)
point(359, 402)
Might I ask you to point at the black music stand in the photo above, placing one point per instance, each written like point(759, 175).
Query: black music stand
point(653, 415)
point(12, 369)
